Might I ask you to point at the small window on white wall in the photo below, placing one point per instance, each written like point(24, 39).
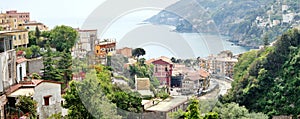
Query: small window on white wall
point(47, 100)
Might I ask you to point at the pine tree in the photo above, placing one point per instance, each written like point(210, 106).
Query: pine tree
point(50, 72)
point(37, 33)
point(65, 65)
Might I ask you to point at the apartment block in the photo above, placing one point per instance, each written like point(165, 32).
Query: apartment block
point(12, 20)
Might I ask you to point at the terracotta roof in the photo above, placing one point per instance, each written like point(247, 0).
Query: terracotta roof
point(203, 73)
point(20, 60)
point(150, 61)
point(13, 88)
point(163, 58)
point(166, 59)
point(193, 75)
point(32, 83)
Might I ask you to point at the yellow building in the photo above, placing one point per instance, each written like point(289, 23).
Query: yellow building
point(8, 23)
point(12, 20)
point(20, 38)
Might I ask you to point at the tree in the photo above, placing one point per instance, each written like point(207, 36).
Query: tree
point(32, 38)
point(37, 33)
point(63, 37)
point(27, 105)
point(142, 61)
point(65, 65)
point(193, 109)
point(96, 106)
point(35, 51)
point(173, 59)
point(234, 111)
point(50, 72)
point(213, 115)
point(32, 52)
point(138, 52)
point(264, 79)
point(266, 40)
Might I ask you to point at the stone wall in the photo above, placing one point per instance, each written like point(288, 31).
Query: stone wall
point(35, 65)
point(53, 90)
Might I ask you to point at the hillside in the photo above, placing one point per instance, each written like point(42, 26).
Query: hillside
point(244, 20)
point(268, 80)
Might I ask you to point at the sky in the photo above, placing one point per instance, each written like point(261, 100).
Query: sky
point(54, 12)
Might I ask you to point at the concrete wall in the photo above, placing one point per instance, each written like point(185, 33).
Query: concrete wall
point(3, 101)
point(48, 89)
point(35, 65)
point(20, 38)
point(21, 74)
point(7, 69)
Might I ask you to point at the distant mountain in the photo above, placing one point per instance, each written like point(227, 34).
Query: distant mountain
point(246, 21)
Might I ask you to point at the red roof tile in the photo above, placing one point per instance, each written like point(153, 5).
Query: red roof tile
point(203, 73)
point(20, 60)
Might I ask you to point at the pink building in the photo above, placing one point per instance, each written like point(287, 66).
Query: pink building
point(163, 70)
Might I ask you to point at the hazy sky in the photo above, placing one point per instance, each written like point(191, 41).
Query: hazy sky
point(54, 12)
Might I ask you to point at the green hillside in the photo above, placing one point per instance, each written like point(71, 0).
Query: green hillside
point(268, 80)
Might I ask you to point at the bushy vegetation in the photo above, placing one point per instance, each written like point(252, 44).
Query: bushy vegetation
point(219, 111)
point(102, 93)
point(27, 105)
point(267, 80)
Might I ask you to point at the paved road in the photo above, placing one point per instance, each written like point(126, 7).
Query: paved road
point(221, 90)
point(223, 86)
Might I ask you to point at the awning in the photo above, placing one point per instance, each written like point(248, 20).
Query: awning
point(23, 92)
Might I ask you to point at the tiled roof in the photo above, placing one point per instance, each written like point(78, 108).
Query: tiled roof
point(32, 83)
point(203, 73)
point(20, 60)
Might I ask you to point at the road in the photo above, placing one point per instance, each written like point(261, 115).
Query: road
point(222, 89)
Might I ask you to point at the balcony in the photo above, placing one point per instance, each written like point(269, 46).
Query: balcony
point(5, 43)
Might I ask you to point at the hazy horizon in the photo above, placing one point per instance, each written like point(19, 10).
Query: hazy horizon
point(54, 12)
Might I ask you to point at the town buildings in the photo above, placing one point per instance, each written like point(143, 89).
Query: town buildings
point(163, 68)
point(162, 109)
point(103, 49)
point(31, 26)
point(195, 81)
point(221, 65)
point(12, 20)
point(20, 38)
point(142, 85)
point(127, 52)
point(46, 93)
point(21, 68)
point(7, 60)
point(85, 44)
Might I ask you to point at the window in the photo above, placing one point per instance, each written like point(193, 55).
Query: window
point(9, 70)
point(46, 100)
point(20, 68)
point(24, 36)
point(20, 37)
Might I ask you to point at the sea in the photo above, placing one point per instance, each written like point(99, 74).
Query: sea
point(130, 30)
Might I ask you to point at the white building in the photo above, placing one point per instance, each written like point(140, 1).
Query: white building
point(46, 93)
point(86, 42)
point(21, 69)
point(7, 61)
